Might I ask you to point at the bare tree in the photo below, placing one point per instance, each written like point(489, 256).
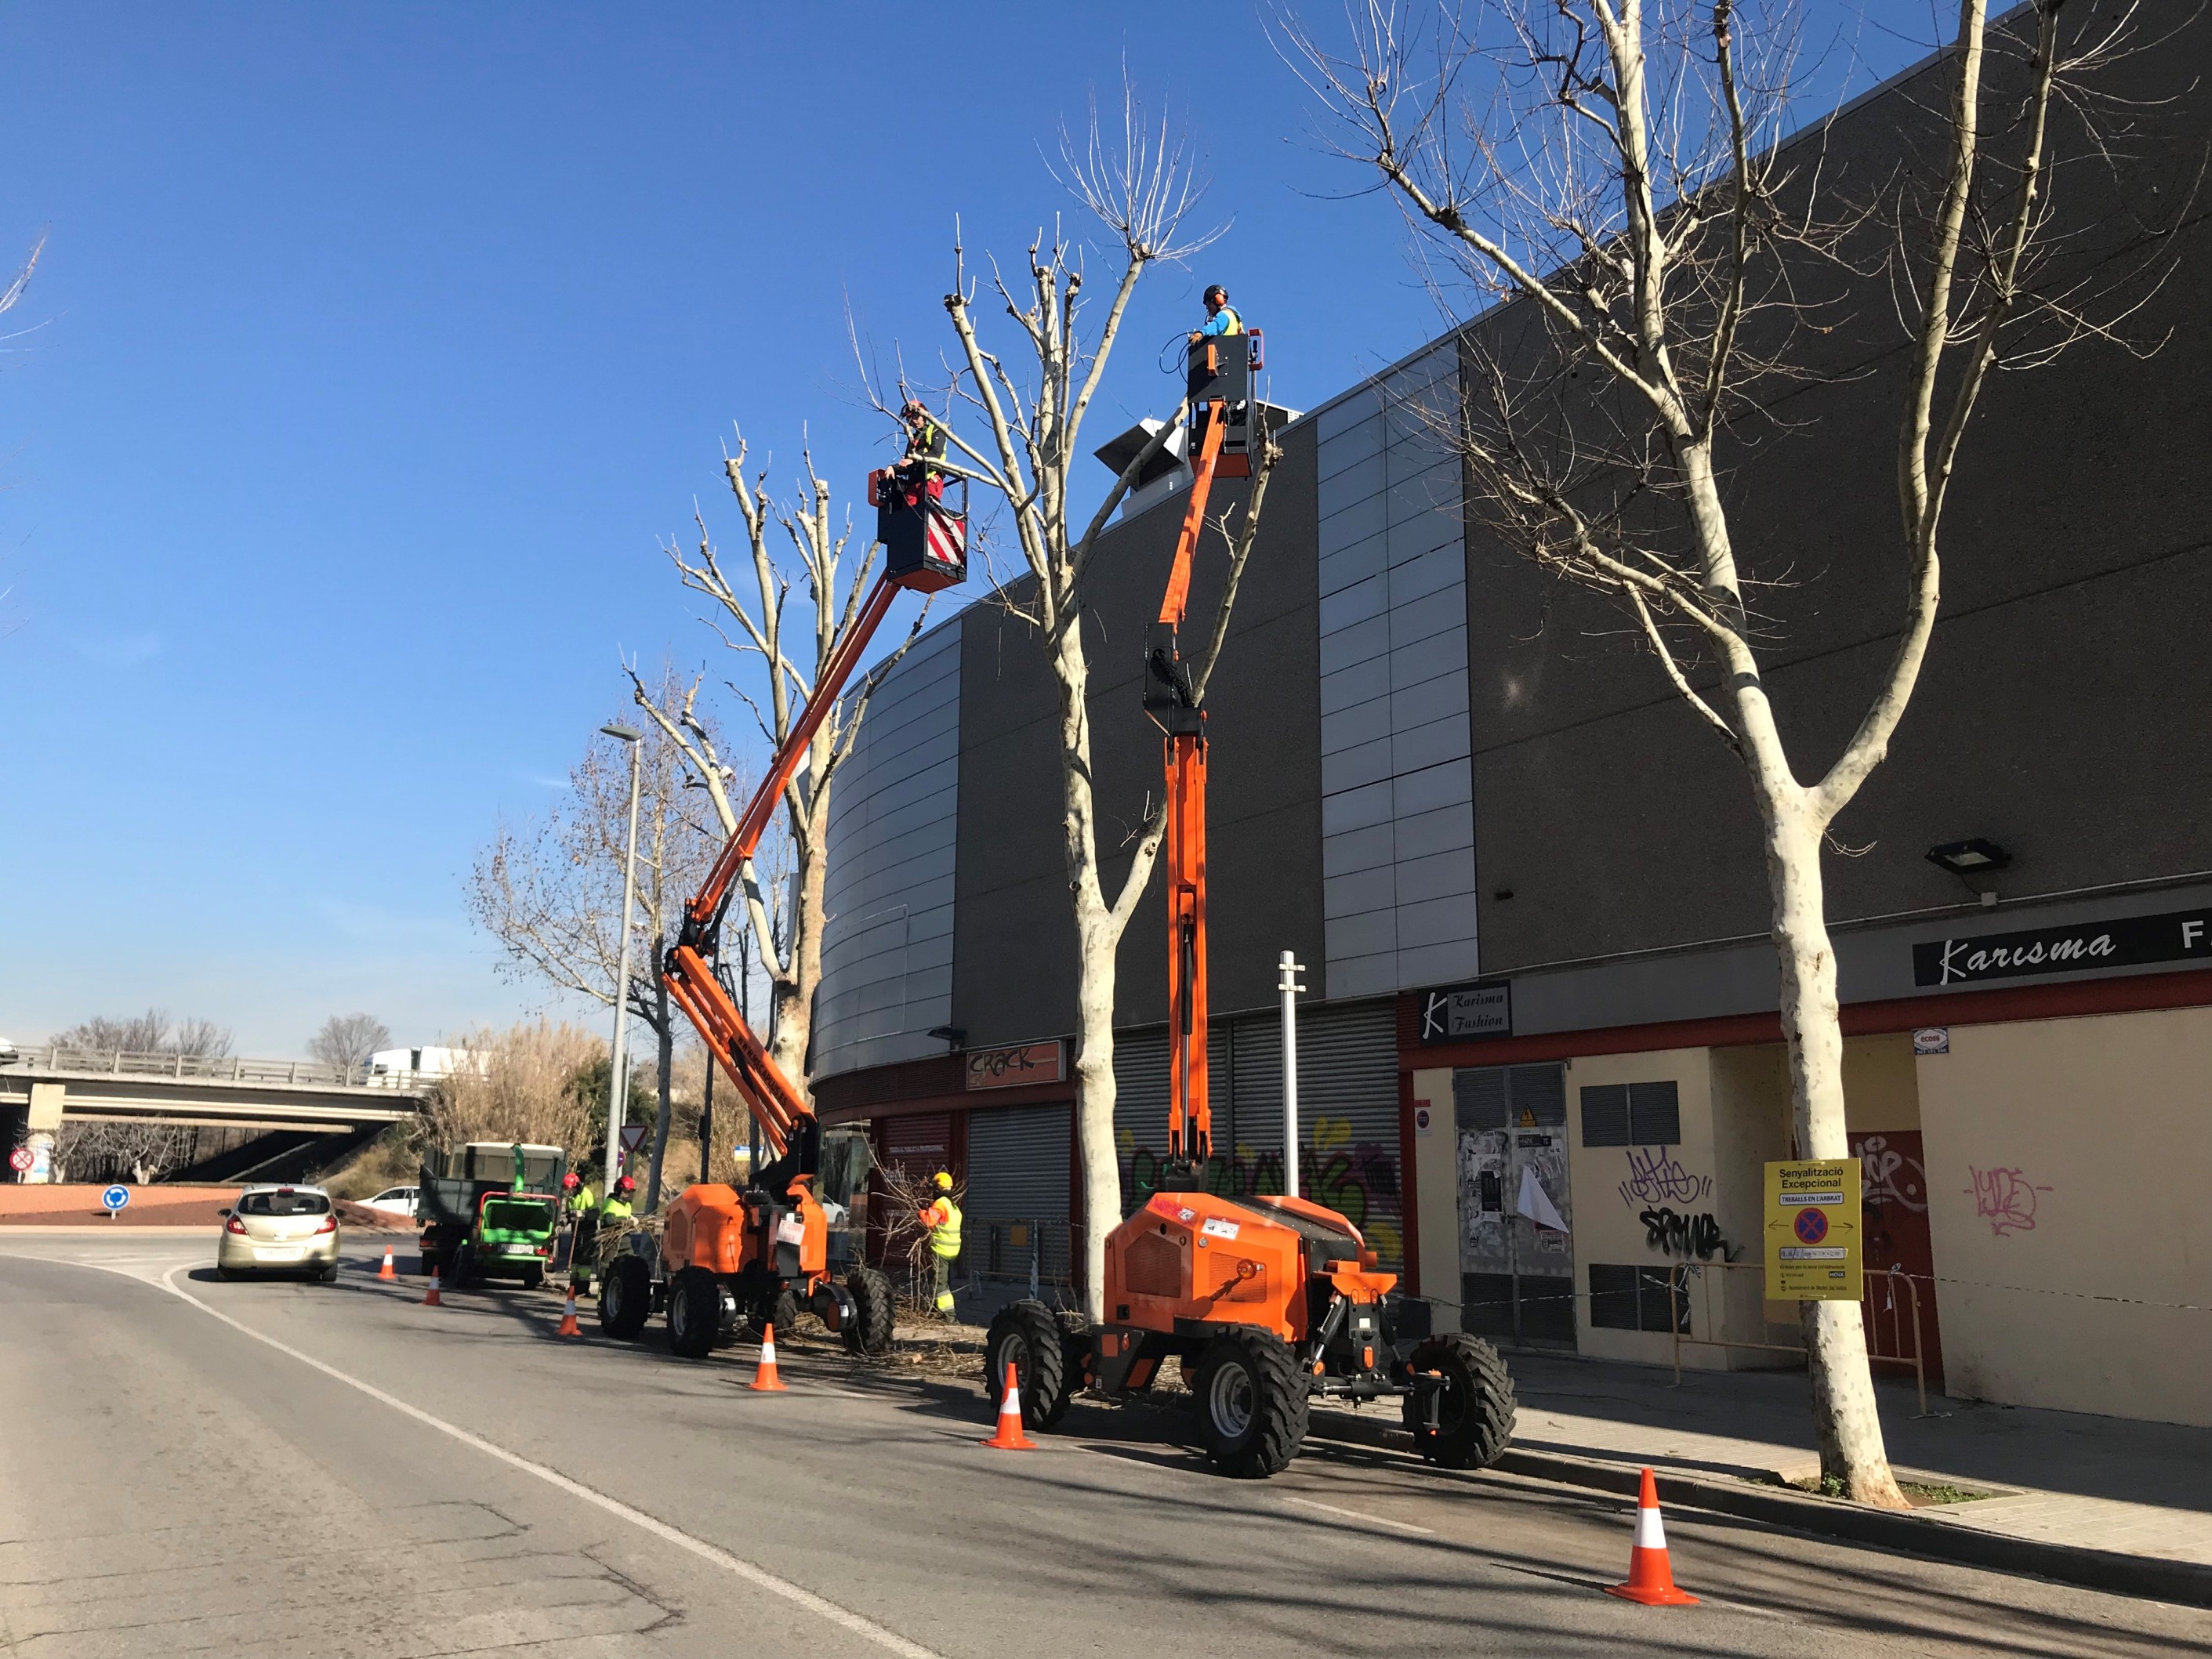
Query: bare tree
point(149, 1033)
point(89, 1149)
point(346, 1040)
point(1140, 187)
point(550, 892)
point(1610, 173)
point(754, 615)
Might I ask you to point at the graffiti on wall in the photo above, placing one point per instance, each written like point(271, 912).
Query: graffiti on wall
point(1356, 1179)
point(1674, 1234)
point(2004, 1198)
point(1654, 1177)
point(1888, 1176)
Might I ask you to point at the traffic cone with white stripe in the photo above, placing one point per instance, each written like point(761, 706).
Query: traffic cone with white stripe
point(387, 1271)
point(433, 1300)
point(1650, 1579)
point(568, 1325)
point(765, 1381)
point(1010, 1436)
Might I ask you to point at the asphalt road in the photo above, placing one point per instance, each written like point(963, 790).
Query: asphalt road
point(188, 1466)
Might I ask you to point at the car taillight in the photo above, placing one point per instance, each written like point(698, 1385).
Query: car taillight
point(330, 1224)
point(234, 1226)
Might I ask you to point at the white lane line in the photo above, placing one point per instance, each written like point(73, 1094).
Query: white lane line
point(759, 1576)
point(1356, 1514)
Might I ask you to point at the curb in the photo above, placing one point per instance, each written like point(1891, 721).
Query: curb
point(2147, 1577)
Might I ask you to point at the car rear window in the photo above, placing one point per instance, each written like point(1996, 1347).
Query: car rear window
point(284, 1204)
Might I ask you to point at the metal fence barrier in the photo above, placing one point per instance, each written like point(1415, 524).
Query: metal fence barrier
point(1903, 1313)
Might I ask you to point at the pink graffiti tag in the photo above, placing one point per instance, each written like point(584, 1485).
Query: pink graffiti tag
point(2005, 1198)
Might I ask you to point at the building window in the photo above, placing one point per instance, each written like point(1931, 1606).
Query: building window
point(1633, 1115)
point(1510, 1096)
point(1625, 1298)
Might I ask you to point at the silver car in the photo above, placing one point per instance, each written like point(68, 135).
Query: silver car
point(283, 1229)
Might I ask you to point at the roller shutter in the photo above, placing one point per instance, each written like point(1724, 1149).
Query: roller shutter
point(1019, 1171)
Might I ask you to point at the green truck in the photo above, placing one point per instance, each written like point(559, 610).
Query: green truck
point(491, 1210)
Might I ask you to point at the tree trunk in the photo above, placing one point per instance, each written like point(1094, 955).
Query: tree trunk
point(663, 1055)
point(1844, 1416)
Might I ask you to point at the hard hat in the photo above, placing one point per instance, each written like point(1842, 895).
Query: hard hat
point(626, 1185)
point(571, 1180)
point(914, 406)
point(944, 1181)
point(1215, 291)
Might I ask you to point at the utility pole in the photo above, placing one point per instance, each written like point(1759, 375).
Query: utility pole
point(1289, 967)
point(618, 1058)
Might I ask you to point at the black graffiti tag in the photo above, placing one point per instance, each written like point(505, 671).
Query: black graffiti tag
point(1684, 1235)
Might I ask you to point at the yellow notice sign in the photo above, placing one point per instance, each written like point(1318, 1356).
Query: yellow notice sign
point(1812, 1229)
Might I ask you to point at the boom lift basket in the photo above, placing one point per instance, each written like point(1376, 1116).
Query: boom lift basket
point(1221, 367)
point(925, 540)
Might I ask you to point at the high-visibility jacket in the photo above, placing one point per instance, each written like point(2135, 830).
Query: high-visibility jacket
point(615, 1209)
point(925, 444)
point(943, 1220)
point(1223, 321)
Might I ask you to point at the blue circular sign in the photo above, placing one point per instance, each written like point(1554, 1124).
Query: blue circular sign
point(115, 1198)
point(1812, 1226)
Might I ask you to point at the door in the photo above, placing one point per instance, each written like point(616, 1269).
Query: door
point(1893, 1188)
point(1014, 1230)
point(1517, 1212)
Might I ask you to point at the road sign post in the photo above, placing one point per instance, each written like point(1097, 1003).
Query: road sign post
point(20, 1160)
point(633, 1138)
point(113, 1199)
point(1812, 1231)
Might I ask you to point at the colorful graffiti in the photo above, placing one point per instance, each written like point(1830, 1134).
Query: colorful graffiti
point(1356, 1179)
point(2005, 1198)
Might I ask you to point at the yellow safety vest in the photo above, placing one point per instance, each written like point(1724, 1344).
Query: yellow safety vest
point(945, 1236)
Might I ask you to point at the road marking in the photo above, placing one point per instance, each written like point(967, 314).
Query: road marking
point(759, 1576)
point(1355, 1515)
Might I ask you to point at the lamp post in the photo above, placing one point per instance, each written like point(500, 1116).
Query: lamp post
point(618, 1090)
point(1289, 968)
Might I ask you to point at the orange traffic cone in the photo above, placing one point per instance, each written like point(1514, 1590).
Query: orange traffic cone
point(1651, 1579)
point(432, 1299)
point(568, 1325)
point(1010, 1436)
point(765, 1381)
point(387, 1271)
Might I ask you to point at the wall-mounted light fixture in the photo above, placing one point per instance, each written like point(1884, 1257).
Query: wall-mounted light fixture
point(955, 1037)
point(1974, 861)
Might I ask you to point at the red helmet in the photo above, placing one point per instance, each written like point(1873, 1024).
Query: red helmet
point(626, 1185)
point(570, 1182)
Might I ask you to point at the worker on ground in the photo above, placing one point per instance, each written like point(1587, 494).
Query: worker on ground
point(942, 1217)
point(921, 466)
point(583, 1230)
point(615, 1217)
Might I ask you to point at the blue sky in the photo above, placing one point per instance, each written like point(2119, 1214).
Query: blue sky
point(376, 348)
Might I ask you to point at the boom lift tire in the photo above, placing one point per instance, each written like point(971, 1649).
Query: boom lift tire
point(1027, 1336)
point(1475, 1412)
point(780, 1310)
point(625, 1297)
point(869, 1330)
point(1251, 1402)
point(694, 1313)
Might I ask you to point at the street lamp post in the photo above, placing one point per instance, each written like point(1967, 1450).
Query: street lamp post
point(617, 1060)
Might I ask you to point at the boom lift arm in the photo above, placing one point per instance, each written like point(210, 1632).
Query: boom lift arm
point(925, 545)
point(1225, 418)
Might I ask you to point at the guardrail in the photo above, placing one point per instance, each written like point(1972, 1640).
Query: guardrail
point(1904, 1317)
point(217, 1068)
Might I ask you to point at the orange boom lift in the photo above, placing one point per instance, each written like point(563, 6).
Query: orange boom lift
point(1265, 1301)
point(765, 1250)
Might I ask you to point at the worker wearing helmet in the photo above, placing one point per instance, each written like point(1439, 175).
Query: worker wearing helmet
point(1221, 317)
point(583, 1229)
point(942, 1217)
point(920, 468)
point(616, 1219)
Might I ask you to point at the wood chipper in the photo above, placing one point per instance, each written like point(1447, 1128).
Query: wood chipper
point(1267, 1302)
point(724, 1255)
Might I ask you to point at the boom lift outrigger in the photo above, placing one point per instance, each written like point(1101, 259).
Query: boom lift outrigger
point(724, 1253)
point(1267, 1301)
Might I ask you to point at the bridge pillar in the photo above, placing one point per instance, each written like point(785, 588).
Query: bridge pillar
point(44, 1122)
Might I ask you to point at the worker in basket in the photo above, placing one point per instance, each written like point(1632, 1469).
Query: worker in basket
point(921, 468)
point(942, 1217)
point(1221, 317)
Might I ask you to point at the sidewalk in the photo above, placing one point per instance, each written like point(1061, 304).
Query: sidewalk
point(2101, 1483)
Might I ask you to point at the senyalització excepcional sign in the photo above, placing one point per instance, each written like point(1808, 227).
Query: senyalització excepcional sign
point(1812, 1228)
